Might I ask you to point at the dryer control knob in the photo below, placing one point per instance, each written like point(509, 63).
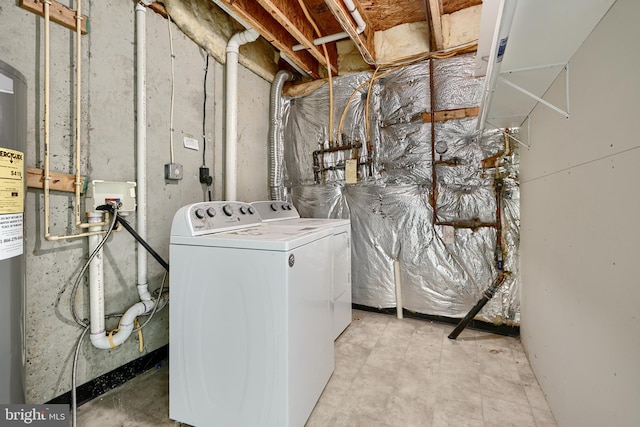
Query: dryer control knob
point(274, 207)
point(251, 210)
point(228, 210)
point(211, 212)
point(243, 210)
point(199, 213)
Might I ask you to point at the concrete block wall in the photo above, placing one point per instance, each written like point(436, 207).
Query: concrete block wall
point(108, 153)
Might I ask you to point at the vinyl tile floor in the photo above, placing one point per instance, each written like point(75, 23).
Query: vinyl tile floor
point(389, 372)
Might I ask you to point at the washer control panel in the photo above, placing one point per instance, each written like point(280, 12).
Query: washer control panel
point(272, 210)
point(212, 217)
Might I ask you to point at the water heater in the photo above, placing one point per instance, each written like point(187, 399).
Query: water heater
point(13, 135)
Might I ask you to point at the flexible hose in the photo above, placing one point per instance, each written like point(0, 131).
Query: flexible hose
point(276, 142)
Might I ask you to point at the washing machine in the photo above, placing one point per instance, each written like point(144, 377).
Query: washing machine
point(284, 213)
point(250, 336)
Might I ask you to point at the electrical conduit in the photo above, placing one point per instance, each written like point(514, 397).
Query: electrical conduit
point(276, 138)
point(231, 140)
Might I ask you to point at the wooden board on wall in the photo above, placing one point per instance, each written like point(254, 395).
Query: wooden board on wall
point(58, 13)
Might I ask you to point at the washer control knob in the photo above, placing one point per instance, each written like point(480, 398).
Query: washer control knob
point(228, 210)
point(274, 207)
point(251, 210)
point(243, 210)
point(199, 213)
point(211, 212)
point(283, 207)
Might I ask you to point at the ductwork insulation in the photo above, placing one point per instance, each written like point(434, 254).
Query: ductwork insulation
point(390, 205)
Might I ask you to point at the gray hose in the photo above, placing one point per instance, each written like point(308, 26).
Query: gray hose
point(276, 137)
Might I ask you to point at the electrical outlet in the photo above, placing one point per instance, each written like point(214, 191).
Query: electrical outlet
point(173, 171)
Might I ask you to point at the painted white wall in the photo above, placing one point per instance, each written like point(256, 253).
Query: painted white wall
point(579, 238)
point(109, 154)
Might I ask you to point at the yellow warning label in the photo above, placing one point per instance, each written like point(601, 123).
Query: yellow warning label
point(11, 181)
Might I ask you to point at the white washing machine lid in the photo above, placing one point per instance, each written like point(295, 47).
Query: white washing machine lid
point(262, 237)
point(313, 222)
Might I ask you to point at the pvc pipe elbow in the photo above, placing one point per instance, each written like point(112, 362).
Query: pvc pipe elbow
point(101, 339)
point(239, 39)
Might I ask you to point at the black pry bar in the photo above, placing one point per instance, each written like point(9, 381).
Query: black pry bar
point(486, 296)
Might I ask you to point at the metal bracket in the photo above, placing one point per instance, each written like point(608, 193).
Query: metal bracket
point(536, 97)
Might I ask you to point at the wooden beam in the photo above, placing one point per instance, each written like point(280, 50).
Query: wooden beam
point(363, 41)
point(444, 115)
point(159, 8)
point(58, 13)
point(435, 10)
point(255, 15)
point(59, 181)
point(291, 16)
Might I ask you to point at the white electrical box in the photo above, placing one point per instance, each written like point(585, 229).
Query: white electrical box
point(102, 192)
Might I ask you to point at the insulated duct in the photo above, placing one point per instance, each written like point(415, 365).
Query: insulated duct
point(276, 137)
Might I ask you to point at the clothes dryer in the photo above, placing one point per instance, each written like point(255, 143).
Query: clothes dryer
point(284, 213)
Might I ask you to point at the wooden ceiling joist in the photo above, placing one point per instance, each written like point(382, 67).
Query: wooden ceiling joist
point(290, 15)
point(363, 41)
point(257, 17)
point(435, 10)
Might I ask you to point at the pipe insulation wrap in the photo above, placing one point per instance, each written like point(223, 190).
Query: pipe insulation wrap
point(389, 207)
point(276, 137)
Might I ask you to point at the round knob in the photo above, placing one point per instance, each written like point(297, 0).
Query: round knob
point(251, 210)
point(228, 210)
point(283, 207)
point(211, 212)
point(288, 207)
point(199, 213)
point(243, 210)
point(274, 207)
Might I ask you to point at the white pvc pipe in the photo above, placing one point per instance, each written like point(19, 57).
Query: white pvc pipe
point(96, 278)
point(398, 285)
point(141, 141)
point(326, 39)
point(355, 15)
point(125, 328)
point(231, 140)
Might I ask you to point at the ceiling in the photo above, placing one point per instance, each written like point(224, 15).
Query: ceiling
point(283, 23)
